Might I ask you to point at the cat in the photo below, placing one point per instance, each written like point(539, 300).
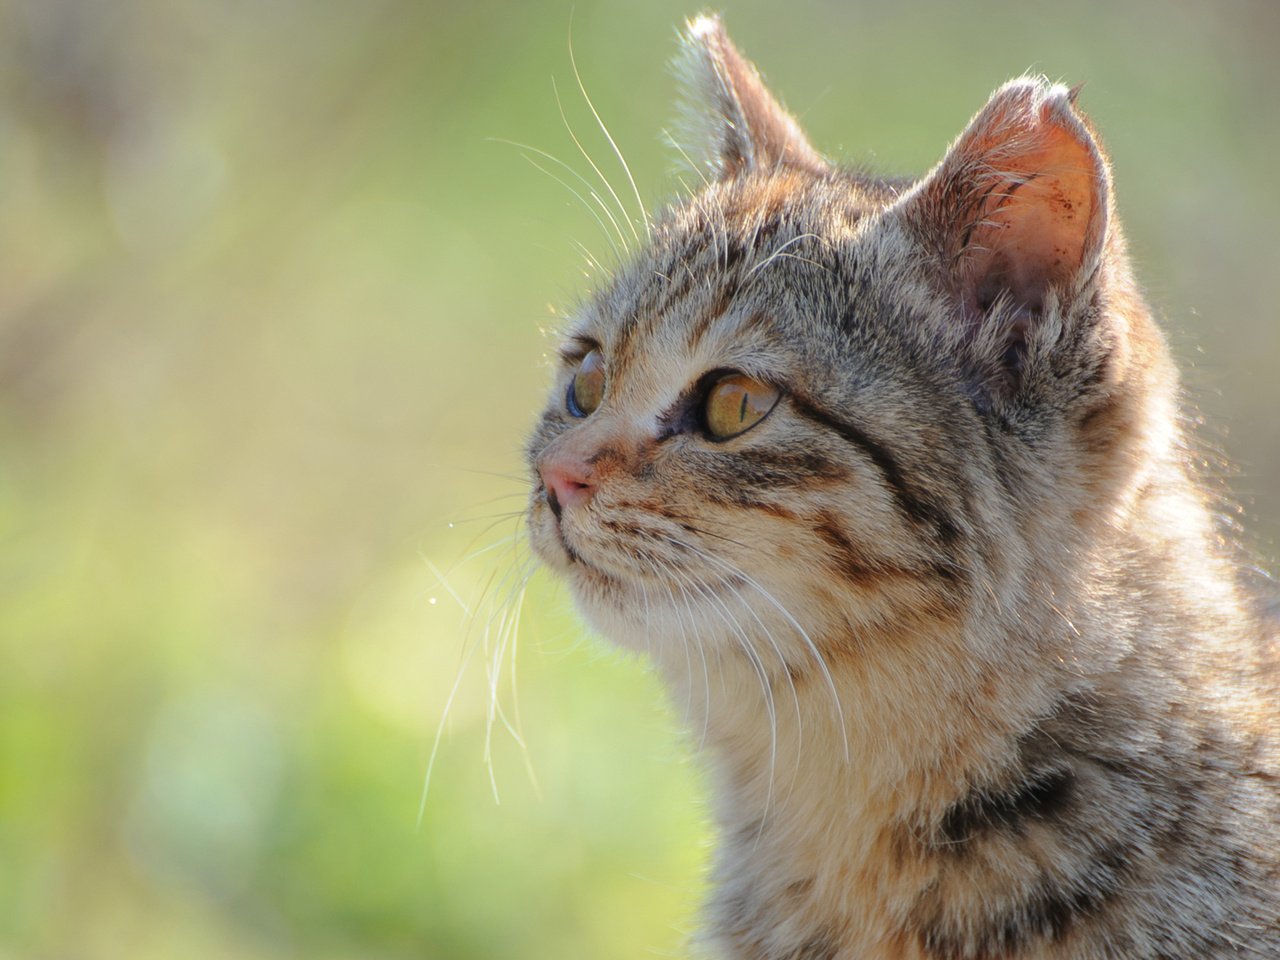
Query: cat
point(889, 480)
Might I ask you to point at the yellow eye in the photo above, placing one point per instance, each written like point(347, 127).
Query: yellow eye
point(736, 404)
point(587, 388)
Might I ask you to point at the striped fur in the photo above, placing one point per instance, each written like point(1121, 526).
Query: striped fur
point(975, 671)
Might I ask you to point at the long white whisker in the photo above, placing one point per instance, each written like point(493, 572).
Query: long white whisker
point(706, 672)
point(768, 635)
point(523, 494)
point(506, 616)
point(573, 62)
point(591, 190)
point(761, 672)
point(503, 623)
point(508, 636)
point(812, 647)
point(688, 657)
point(658, 565)
point(443, 581)
point(469, 555)
point(592, 262)
point(604, 207)
point(779, 251)
point(497, 544)
point(586, 156)
point(520, 478)
point(494, 518)
point(471, 648)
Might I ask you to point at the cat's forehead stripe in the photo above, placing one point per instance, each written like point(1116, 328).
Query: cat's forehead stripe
point(727, 261)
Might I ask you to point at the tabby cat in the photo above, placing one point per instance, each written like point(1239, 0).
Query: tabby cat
point(889, 480)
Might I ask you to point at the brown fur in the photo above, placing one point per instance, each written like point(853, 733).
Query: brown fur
point(977, 674)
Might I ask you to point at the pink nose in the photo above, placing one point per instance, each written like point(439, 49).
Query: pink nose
point(568, 484)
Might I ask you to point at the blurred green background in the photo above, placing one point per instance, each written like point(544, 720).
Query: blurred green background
point(272, 325)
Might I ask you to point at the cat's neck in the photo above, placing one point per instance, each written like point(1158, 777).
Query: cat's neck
point(893, 725)
point(824, 777)
point(816, 782)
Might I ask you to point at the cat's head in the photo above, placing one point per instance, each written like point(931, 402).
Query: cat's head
point(820, 404)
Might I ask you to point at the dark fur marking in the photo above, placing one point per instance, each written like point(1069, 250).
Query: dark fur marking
point(741, 479)
point(770, 469)
point(1047, 913)
point(733, 253)
point(909, 502)
point(856, 567)
point(1048, 909)
point(766, 231)
point(749, 832)
point(763, 506)
point(799, 889)
point(1040, 797)
point(605, 456)
point(718, 308)
point(820, 947)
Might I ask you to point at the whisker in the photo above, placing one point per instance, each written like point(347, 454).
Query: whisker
point(520, 478)
point(795, 696)
point(761, 673)
point(496, 633)
point(508, 633)
point(504, 541)
point(469, 653)
point(443, 581)
point(658, 565)
point(505, 515)
point(644, 216)
point(504, 618)
point(734, 570)
point(617, 252)
point(604, 207)
point(781, 253)
point(591, 163)
point(768, 634)
point(592, 262)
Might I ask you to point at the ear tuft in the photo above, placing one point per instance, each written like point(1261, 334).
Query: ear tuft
point(732, 123)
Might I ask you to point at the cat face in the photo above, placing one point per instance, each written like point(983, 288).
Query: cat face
point(729, 448)
point(816, 402)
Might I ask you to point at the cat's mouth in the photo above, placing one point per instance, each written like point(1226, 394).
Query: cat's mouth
point(554, 543)
point(573, 555)
point(628, 567)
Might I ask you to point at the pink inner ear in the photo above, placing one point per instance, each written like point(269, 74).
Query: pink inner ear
point(1039, 220)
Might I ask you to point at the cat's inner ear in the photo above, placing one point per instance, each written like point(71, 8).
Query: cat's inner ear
point(1019, 205)
point(733, 124)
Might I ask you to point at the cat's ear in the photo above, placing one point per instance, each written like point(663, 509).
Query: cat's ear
point(1018, 209)
point(732, 122)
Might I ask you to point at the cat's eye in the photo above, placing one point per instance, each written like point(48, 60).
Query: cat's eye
point(586, 390)
point(735, 404)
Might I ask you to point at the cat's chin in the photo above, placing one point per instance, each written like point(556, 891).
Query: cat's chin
point(567, 559)
point(706, 609)
point(608, 613)
point(633, 612)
